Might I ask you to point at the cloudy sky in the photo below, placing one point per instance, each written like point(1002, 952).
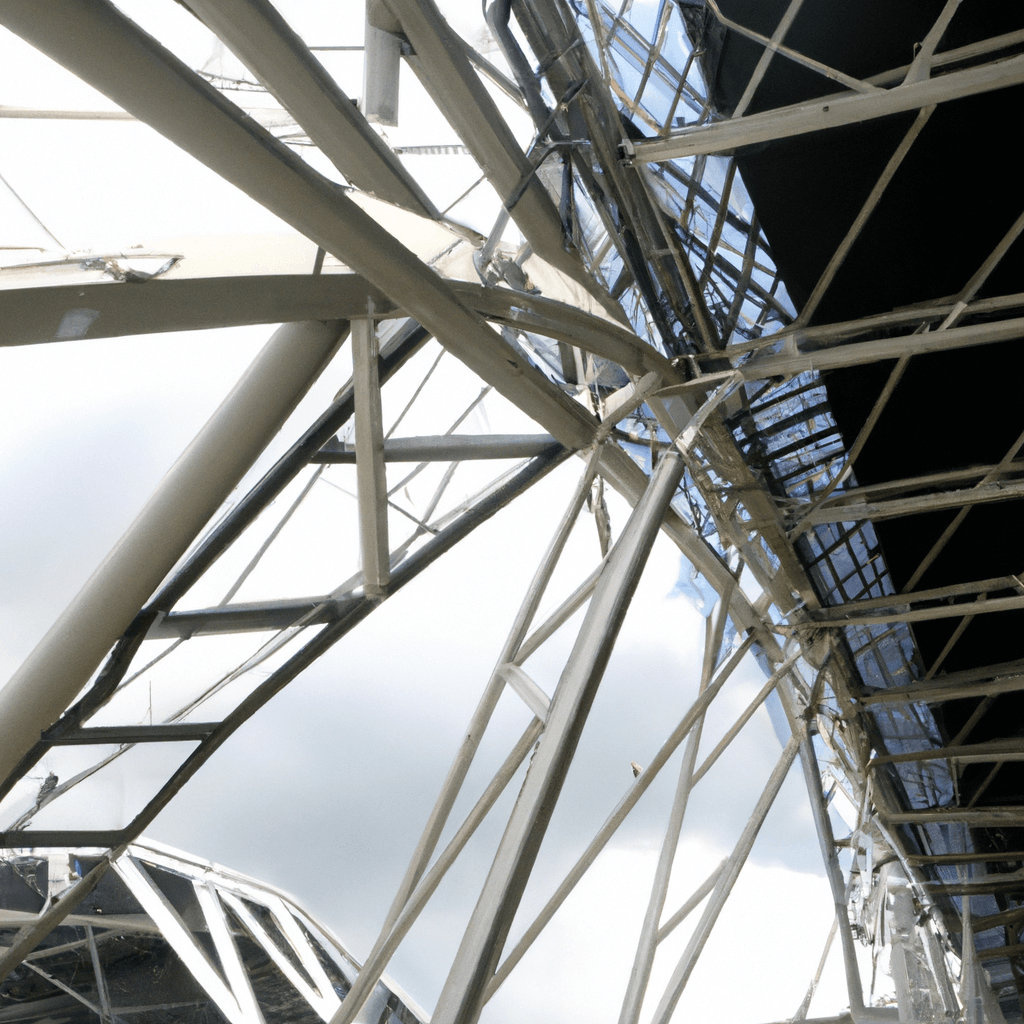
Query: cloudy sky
point(323, 793)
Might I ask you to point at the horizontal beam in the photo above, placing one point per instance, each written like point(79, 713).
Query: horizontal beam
point(445, 448)
point(171, 733)
point(249, 617)
point(993, 856)
point(993, 750)
point(114, 309)
point(184, 300)
point(806, 338)
point(844, 616)
point(934, 693)
point(877, 511)
point(857, 353)
point(827, 112)
point(996, 952)
point(946, 593)
point(976, 817)
point(928, 481)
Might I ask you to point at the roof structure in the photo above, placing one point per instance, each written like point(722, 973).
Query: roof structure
point(759, 266)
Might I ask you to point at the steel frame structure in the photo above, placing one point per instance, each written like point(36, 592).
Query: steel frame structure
point(642, 325)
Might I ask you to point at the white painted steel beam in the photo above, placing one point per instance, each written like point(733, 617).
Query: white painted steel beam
point(227, 951)
point(370, 476)
point(324, 1003)
point(445, 448)
point(249, 616)
point(462, 997)
point(464, 756)
point(382, 65)
point(846, 615)
point(937, 691)
point(927, 482)
point(260, 38)
point(182, 504)
point(619, 814)
point(180, 302)
point(828, 112)
point(181, 939)
point(643, 960)
point(860, 352)
point(856, 512)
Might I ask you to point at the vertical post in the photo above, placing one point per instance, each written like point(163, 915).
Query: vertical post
point(370, 475)
point(180, 507)
point(382, 55)
point(462, 997)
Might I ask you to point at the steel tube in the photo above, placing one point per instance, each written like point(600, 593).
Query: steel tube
point(828, 112)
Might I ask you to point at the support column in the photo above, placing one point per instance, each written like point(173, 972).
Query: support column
point(462, 996)
point(186, 498)
point(370, 474)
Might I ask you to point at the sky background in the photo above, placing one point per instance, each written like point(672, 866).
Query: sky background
point(324, 792)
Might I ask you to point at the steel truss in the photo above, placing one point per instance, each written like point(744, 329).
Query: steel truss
point(641, 325)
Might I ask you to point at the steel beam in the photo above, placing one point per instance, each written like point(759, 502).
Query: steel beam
point(370, 476)
point(828, 112)
point(248, 617)
point(182, 504)
point(964, 753)
point(882, 491)
point(946, 688)
point(181, 939)
point(61, 839)
point(462, 997)
point(177, 302)
point(33, 314)
point(445, 448)
point(857, 353)
point(178, 732)
point(262, 40)
point(846, 615)
point(723, 887)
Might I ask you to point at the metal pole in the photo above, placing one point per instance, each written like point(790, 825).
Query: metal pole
point(182, 504)
point(462, 997)
point(370, 474)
